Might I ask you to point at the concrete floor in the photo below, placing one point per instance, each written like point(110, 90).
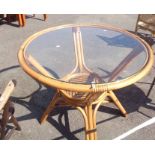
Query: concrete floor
point(31, 98)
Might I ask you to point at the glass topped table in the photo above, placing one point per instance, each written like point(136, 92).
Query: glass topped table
point(85, 63)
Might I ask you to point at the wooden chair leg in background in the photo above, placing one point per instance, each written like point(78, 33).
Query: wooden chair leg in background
point(8, 112)
point(45, 17)
point(8, 117)
point(20, 20)
point(146, 22)
point(23, 19)
point(136, 27)
point(8, 19)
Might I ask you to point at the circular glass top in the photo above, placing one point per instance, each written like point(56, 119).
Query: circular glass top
point(86, 54)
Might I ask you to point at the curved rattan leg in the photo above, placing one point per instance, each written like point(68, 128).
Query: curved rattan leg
point(83, 112)
point(90, 122)
point(89, 115)
point(50, 107)
point(117, 103)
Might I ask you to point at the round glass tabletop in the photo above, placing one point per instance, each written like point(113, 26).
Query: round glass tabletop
point(86, 54)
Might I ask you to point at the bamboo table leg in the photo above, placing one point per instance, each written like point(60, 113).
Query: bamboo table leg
point(91, 131)
point(88, 111)
point(50, 107)
point(117, 103)
point(90, 121)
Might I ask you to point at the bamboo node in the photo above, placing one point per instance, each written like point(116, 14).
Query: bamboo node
point(91, 130)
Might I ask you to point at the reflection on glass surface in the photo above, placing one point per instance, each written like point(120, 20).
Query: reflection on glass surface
point(54, 51)
point(108, 54)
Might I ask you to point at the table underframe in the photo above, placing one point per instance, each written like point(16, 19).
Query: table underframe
point(87, 109)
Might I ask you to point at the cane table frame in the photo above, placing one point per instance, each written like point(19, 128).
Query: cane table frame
point(87, 98)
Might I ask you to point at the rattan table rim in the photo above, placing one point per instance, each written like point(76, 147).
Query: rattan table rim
point(85, 87)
